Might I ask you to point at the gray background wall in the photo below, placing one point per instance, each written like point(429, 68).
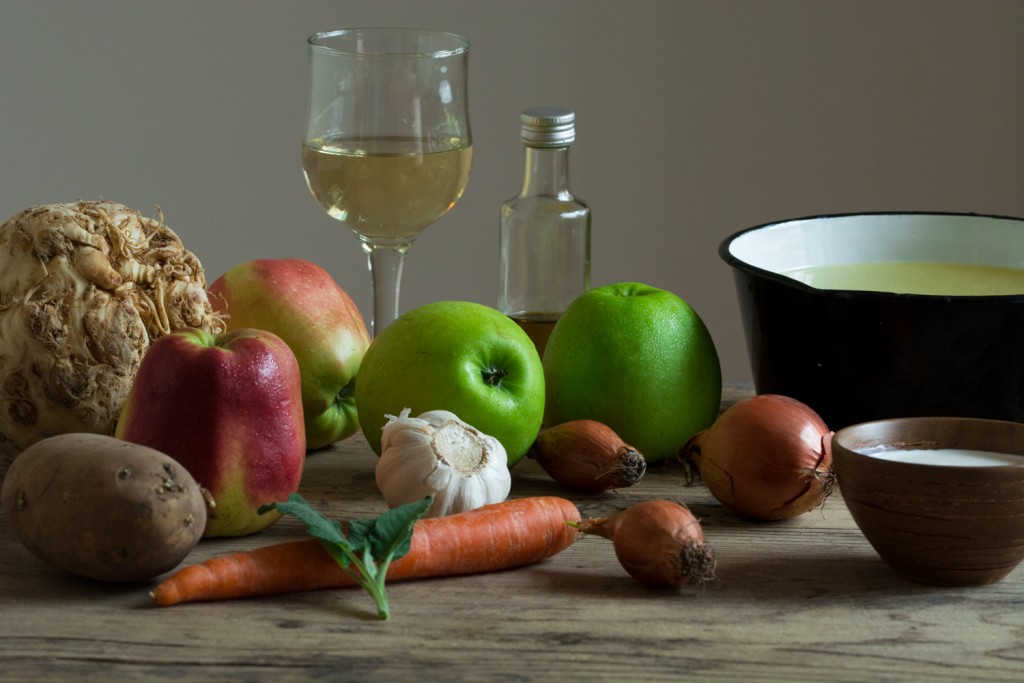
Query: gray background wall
point(695, 119)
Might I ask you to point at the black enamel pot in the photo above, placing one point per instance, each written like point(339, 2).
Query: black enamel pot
point(856, 356)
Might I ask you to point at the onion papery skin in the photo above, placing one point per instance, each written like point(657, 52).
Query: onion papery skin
point(587, 455)
point(768, 457)
point(658, 542)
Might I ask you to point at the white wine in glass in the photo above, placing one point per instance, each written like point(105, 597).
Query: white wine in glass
point(387, 149)
point(389, 188)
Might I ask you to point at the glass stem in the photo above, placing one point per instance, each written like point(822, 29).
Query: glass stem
point(385, 263)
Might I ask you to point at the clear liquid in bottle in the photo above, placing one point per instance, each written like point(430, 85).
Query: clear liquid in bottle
point(544, 233)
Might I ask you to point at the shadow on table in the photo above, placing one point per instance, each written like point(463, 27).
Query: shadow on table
point(773, 579)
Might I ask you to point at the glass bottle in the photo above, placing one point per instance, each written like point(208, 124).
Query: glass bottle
point(544, 234)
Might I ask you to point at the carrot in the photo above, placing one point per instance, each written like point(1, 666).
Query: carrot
point(491, 538)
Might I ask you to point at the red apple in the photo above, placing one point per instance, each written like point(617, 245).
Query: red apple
point(301, 303)
point(229, 409)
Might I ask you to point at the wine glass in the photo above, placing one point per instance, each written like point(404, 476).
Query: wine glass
point(387, 148)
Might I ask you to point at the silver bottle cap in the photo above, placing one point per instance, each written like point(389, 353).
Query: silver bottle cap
point(548, 127)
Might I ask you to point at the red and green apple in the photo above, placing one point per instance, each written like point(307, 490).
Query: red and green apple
point(302, 304)
point(228, 407)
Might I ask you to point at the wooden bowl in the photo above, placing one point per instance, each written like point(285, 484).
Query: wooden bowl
point(938, 524)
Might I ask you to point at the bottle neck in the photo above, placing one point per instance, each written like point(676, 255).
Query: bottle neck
point(547, 172)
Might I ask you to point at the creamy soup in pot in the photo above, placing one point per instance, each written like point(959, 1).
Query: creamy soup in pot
point(914, 277)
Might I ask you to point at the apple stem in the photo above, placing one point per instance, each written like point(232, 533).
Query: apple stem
point(493, 376)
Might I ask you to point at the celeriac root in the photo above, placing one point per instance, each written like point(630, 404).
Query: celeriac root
point(85, 287)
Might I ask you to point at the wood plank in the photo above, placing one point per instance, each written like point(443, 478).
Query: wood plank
point(801, 600)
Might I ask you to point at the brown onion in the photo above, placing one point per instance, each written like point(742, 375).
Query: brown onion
point(587, 455)
point(658, 542)
point(766, 457)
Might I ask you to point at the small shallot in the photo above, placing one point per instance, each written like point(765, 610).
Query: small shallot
point(588, 456)
point(767, 457)
point(658, 542)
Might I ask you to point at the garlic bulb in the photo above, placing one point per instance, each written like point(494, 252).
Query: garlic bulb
point(437, 454)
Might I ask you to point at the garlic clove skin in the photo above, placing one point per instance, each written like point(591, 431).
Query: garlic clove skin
point(437, 454)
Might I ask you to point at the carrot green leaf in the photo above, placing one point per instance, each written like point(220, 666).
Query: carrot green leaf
point(371, 545)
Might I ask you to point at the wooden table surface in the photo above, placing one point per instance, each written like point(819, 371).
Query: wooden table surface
point(801, 600)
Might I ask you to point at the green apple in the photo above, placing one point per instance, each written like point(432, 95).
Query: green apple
point(458, 356)
point(302, 304)
point(229, 409)
point(640, 360)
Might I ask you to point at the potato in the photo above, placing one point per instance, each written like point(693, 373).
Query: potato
point(103, 508)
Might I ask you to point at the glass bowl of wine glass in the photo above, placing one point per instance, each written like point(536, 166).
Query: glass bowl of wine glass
point(387, 147)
